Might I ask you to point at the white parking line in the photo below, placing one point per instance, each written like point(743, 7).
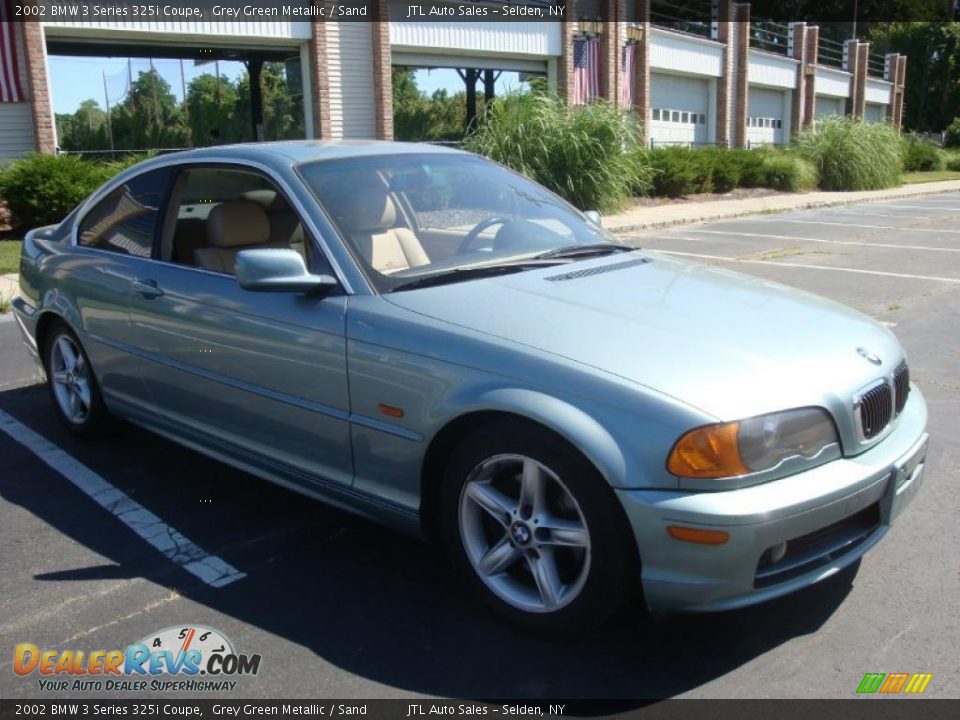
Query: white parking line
point(852, 225)
point(797, 238)
point(175, 547)
point(920, 207)
point(810, 267)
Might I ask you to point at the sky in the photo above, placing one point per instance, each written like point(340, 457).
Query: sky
point(75, 79)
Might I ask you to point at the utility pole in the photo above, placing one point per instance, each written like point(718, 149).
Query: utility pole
point(106, 99)
point(186, 109)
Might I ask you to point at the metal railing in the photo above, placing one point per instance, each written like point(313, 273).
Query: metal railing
point(830, 53)
point(877, 65)
point(119, 154)
point(770, 36)
point(690, 18)
point(683, 143)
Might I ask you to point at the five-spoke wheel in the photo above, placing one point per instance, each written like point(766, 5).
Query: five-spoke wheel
point(534, 527)
point(72, 382)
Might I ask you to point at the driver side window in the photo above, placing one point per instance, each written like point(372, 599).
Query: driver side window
point(217, 212)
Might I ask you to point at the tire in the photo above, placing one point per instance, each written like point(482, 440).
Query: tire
point(73, 385)
point(534, 530)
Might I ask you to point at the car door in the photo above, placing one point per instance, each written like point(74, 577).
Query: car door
point(113, 245)
point(258, 376)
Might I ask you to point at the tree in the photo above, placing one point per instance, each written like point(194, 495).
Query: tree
point(150, 118)
point(85, 129)
point(932, 94)
point(210, 109)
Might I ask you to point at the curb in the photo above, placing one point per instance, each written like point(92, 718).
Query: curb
point(809, 205)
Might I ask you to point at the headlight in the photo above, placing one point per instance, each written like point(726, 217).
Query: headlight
point(753, 445)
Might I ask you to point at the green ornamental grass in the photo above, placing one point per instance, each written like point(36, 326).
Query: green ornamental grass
point(850, 154)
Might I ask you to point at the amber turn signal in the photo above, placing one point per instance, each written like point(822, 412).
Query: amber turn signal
point(696, 535)
point(708, 452)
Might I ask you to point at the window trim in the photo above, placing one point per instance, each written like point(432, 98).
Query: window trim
point(178, 162)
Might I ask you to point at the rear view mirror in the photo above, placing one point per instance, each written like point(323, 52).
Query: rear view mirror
point(278, 270)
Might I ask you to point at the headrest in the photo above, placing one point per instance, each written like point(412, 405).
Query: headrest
point(366, 210)
point(236, 223)
point(267, 199)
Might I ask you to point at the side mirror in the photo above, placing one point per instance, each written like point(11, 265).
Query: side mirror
point(594, 217)
point(278, 270)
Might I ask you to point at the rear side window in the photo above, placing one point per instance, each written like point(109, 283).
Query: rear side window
point(125, 221)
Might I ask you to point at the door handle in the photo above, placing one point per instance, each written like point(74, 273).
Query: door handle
point(147, 288)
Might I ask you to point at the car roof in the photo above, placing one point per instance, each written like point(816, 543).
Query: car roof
point(298, 151)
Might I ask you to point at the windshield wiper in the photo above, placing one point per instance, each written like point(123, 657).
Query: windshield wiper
point(471, 273)
point(589, 250)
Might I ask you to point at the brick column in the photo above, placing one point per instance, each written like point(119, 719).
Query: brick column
point(813, 57)
point(899, 90)
point(609, 51)
point(382, 67)
point(860, 80)
point(641, 90)
point(798, 43)
point(36, 50)
point(725, 35)
point(565, 62)
point(741, 90)
point(319, 79)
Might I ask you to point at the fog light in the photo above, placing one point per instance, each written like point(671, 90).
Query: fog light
point(777, 552)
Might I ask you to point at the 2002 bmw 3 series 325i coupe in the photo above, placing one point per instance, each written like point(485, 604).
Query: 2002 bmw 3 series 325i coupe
point(426, 338)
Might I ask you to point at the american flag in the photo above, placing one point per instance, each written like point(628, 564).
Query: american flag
point(10, 86)
point(627, 67)
point(586, 70)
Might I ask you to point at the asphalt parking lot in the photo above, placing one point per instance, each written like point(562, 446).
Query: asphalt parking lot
point(338, 607)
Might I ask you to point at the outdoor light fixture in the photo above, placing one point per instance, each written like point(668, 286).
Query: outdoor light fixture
point(589, 27)
point(634, 33)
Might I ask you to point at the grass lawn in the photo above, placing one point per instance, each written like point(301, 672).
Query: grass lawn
point(930, 176)
point(9, 256)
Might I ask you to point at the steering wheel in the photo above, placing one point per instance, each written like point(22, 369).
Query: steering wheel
point(475, 233)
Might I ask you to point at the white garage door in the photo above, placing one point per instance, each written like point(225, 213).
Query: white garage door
point(875, 113)
point(766, 116)
point(829, 105)
point(679, 109)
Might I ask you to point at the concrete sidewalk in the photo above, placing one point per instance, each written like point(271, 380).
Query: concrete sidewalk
point(644, 218)
point(9, 287)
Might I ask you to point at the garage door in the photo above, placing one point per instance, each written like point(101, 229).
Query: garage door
point(766, 116)
point(679, 107)
point(875, 113)
point(829, 105)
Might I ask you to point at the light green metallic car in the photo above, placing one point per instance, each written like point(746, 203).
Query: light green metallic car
point(423, 337)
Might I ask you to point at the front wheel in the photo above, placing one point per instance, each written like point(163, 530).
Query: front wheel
point(535, 529)
point(72, 384)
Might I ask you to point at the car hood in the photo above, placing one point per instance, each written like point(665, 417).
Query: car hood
point(729, 344)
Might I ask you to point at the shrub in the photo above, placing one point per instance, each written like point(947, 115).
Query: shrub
point(952, 161)
point(43, 189)
point(585, 154)
point(952, 136)
point(788, 172)
point(727, 169)
point(921, 156)
point(675, 171)
point(849, 154)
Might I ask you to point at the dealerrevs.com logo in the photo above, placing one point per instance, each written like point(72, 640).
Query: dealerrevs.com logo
point(177, 659)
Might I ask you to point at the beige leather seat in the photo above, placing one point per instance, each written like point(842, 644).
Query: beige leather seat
point(368, 216)
point(233, 226)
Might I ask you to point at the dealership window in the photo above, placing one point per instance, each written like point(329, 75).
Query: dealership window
point(125, 220)
point(675, 115)
point(656, 113)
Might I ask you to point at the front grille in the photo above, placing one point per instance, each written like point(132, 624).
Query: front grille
point(815, 549)
point(876, 410)
point(901, 386)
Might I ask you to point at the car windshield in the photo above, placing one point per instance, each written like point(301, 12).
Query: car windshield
point(416, 219)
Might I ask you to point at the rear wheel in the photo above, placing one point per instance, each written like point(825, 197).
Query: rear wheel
point(72, 383)
point(533, 527)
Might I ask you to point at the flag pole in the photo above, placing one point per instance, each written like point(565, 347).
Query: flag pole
point(106, 99)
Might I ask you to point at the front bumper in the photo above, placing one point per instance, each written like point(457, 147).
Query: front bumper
point(833, 514)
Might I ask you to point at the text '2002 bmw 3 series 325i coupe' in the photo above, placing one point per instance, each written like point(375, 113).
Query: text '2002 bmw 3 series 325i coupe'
point(425, 338)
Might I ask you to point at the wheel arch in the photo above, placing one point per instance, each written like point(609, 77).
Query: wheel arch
point(572, 425)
